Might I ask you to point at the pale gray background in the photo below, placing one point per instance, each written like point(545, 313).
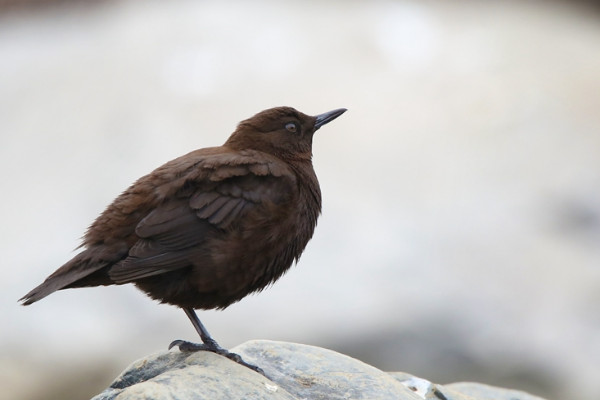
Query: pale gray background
point(460, 236)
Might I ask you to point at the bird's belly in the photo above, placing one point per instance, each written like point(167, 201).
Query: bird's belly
point(236, 271)
point(231, 269)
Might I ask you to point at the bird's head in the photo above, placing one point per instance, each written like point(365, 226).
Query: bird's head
point(282, 131)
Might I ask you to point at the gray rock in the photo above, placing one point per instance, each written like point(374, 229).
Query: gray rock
point(480, 391)
point(294, 372)
point(310, 372)
point(191, 376)
point(425, 389)
point(460, 390)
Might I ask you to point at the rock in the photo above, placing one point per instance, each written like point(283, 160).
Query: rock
point(294, 372)
point(309, 372)
point(480, 391)
point(202, 375)
point(459, 391)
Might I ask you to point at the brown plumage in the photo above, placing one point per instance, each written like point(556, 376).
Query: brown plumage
point(206, 229)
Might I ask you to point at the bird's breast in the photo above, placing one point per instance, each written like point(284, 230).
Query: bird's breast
point(258, 250)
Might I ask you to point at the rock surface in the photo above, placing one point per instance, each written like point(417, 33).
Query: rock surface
point(294, 371)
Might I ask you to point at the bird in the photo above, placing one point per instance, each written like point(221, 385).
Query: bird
point(210, 227)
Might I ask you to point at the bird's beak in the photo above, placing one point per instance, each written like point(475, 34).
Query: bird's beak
point(329, 116)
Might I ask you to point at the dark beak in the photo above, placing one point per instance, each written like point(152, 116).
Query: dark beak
point(324, 118)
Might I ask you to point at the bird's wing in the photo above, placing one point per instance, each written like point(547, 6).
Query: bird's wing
point(217, 198)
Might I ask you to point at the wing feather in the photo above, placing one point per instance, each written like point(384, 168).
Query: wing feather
point(172, 235)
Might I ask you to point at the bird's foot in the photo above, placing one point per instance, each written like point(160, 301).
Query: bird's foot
point(190, 347)
point(213, 347)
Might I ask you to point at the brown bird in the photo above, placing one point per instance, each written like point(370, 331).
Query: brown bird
point(208, 228)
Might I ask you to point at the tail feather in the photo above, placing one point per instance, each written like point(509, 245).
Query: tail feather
point(78, 268)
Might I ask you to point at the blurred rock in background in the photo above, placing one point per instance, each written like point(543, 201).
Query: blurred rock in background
point(460, 236)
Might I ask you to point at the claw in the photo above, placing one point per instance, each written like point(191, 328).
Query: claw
point(175, 343)
point(190, 347)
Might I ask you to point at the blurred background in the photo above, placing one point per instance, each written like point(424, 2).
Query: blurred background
point(460, 235)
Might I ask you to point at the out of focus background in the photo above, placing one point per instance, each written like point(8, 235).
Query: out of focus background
point(460, 235)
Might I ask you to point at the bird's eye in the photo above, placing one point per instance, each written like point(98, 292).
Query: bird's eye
point(291, 127)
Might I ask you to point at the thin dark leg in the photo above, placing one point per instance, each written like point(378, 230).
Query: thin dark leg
point(208, 343)
point(204, 335)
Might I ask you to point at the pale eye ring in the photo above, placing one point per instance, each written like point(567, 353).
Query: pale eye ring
point(291, 127)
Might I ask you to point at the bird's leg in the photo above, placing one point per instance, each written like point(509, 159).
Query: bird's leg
point(208, 343)
point(204, 335)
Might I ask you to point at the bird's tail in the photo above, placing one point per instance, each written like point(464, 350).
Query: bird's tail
point(85, 269)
